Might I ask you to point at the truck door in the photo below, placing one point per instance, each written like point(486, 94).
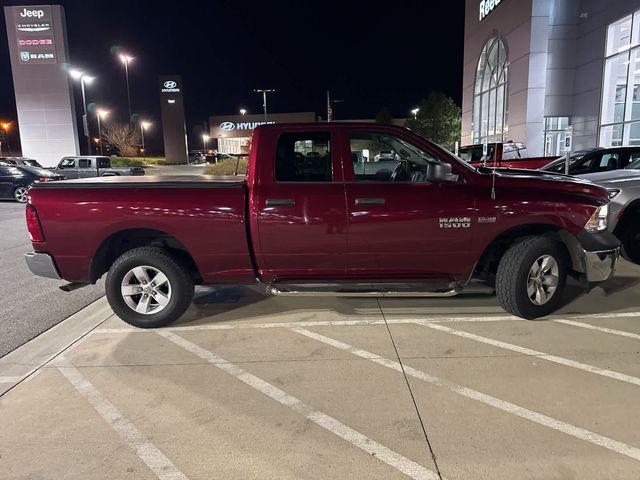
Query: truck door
point(86, 168)
point(299, 207)
point(400, 225)
point(68, 167)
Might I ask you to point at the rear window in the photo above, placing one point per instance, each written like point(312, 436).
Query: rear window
point(84, 163)
point(304, 157)
point(104, 162)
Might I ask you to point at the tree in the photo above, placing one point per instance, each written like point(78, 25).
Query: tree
point(439, 119)
point(384, 116)
point(124, 137)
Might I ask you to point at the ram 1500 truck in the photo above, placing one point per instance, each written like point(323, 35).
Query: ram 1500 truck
point(303, 223)
point(93, 166)
point(502, 155)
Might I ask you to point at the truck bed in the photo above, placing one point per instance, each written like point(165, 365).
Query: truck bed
point(206, 215)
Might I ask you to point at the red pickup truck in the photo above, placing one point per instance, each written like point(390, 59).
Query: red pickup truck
point(502, 155)
point(303, 223)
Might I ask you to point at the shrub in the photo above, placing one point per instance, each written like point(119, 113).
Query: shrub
point(228, 167)
point(126, 162)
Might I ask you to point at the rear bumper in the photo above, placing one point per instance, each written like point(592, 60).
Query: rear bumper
point(42, 264)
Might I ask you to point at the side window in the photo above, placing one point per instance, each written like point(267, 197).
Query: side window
point(4, 171)
point(381, 157)
point(104, 163)
point(304, 157)
point(68, 163)
point(608, 161)
point(84, 163)
point(584, 165)
point(633, 156)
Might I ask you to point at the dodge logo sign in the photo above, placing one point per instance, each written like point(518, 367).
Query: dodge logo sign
point(170, 84)
point(227, 126)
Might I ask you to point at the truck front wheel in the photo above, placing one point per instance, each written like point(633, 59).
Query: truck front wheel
point(147, 288)
point(531, 277)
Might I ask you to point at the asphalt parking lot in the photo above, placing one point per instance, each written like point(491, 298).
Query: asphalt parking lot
point(251, 386)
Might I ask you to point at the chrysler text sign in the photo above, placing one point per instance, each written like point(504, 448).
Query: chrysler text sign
point(34, 35)
point(487, 6)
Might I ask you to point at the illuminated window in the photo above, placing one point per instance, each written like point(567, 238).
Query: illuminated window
point(620, 108)
point(489, 98)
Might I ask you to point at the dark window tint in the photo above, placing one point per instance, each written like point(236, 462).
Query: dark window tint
point(11, 171)
point(304, 157)
point(104, 163)
point(84, 163)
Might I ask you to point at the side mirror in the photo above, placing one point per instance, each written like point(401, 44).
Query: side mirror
point(440, 172)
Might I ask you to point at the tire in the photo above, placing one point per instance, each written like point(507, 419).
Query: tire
point(630, 238)
point(20, 194)
point(513, 284)
point(164, 303)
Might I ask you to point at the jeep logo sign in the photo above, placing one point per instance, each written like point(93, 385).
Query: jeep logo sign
point(170, 84)
point(487, 6)
point(31, 13)
point(227, 126)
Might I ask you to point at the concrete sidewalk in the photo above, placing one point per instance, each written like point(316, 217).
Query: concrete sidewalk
point(251, 386)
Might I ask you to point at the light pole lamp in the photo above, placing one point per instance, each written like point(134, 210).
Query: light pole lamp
point(264, 99)
point(415, 113)
point(78, 75)
point(125, 59)
point(243, 112)
point(99, 115)
point(143, 127)
point(5, 129)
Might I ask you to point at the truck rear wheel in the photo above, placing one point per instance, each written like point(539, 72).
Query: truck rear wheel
point(148, 288)
point(531, 277)
point(630, 238)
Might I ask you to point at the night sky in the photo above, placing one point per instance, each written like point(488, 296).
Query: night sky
point(369, 54)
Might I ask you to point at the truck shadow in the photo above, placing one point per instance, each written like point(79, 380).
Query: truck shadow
point(220, 304)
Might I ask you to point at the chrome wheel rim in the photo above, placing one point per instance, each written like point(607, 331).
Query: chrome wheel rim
point(146, 290)
point(542, 281)
point(21, 194)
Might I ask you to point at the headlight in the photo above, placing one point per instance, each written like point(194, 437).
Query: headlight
point(613, 192)
point(598, 221)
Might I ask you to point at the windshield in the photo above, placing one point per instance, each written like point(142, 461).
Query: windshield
point(31, 163)
point(635, 165)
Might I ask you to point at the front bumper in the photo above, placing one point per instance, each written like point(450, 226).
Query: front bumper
point(599, 266)
point(599, 255)
point(42, 264)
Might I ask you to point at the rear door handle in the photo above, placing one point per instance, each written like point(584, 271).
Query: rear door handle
point(274, 202)
point(370, 201)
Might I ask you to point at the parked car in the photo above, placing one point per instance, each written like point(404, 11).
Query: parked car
point(93, 166)
point(595, 161)
point(624, 211)
point(15, 181)
point(20, 161)
point(502, 155)
point(304, 223)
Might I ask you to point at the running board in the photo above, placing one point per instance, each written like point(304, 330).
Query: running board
point(368, 290)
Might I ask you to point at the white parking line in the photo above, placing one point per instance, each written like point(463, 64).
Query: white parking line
point(620, 333)
point(550, 422)
point(159, 464)
point(534, 353)
point(12, 379)
point(394, 459)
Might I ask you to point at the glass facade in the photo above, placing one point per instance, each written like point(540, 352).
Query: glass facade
point(554, 128)
point(620, 107)
point(489, 99)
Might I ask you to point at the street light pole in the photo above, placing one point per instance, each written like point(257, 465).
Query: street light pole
point(143, 125)
point(126, 59)
point(99, 114)
point(264, 99)
point(78, 75)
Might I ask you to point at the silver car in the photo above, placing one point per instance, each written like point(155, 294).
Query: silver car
point(624, 210)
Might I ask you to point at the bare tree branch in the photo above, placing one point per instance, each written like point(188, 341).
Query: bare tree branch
point(124, 137)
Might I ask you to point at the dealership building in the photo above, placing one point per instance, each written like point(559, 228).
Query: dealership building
point(534, 67)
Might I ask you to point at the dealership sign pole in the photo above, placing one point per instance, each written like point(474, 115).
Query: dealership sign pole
point(568, 137)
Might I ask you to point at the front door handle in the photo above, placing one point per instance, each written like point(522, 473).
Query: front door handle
point(370, 201)
point(280, 202)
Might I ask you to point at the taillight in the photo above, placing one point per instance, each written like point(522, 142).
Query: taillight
point(43, 179)
point(33, 225)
